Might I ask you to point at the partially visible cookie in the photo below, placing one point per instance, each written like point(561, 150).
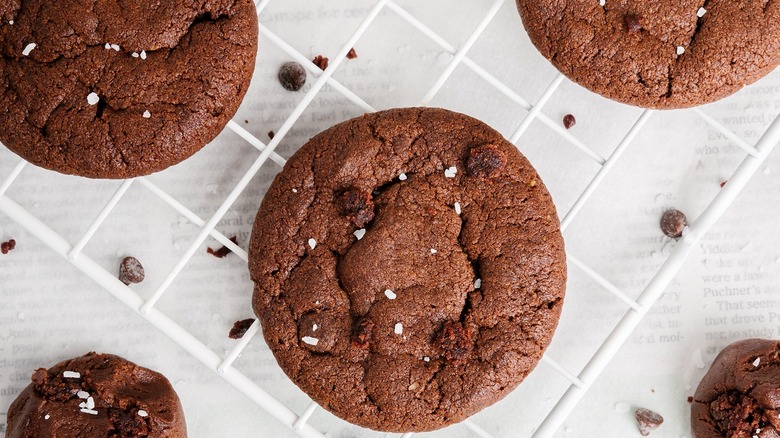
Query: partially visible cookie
point(409, 268)
point(657, 54)
point(97, 395)
point(113, 90)
point(739, 397)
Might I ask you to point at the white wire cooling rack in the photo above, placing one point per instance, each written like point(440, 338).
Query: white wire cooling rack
point(299, 422)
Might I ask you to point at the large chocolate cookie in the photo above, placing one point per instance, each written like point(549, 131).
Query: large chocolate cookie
point(657, 54)
point(96, 395)
point(409, 268)
point(739, 397)
point(111, 89)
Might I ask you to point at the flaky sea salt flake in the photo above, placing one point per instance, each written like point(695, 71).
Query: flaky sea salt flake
point(93, 98)
point(90, 403)
point(309, 340)
point(47, 417)
point(83, 394)
point(477, 283)
point(360, 233)
point(457, 208)
point(390, 294)
point(402, 177)
point(700, 13)
point(399, 328)
point(450, 173)
point(312, 243)
point(89, 411)
point(71, 375)
point(142, 413)
point(28, 48)
point(147, 114)
point(680, 50)
point(757, 361)
point(433, 251)
point(115, 47)
point(143, 54)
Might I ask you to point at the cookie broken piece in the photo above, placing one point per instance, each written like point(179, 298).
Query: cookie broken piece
point(739, 396)
point(647, 420)
point(97, 395)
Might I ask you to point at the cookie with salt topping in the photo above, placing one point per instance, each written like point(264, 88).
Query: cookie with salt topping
point(114, 90)
point(409, 268)
point(97, 395)
point(657, 54)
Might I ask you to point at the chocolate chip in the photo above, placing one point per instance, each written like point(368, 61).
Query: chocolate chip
point(453, 341)
point(320, 61)
point(361, 332)
point(127, 423)
point(723, 183)
point(485, 161)
point(648, 421)
point(633, 23)
point(673, 222)
point(271, 135)
point(222, 252)
point(358, 207)
point(569, 121)
point(6, 247)
point(131, 271)
point(352, 54)
point(292, 76)
point(239, 328)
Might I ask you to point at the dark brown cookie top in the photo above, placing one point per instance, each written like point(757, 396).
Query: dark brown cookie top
point(657, 54)
point(113, 90)
point(368, 252)
point(97, 395)
point(739, 397)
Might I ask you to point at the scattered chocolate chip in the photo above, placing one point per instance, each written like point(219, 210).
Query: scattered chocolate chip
point(239, 328)
point(352, 54)
point(127, 424)
point(569, 121)
point(222, 252)
point(453, 341)
point(358, 207)
point(271, 135)
point(648, 421)
point(723, 183)
point(246, 121)
point(321, 62)
point(673, 222)
point(485, 161)
point(6, 247)
point(633, 23)
point(131, 271)
point(361, 332)
point(690, 399)
point(292, 76)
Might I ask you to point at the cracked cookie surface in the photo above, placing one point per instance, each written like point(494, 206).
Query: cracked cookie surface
point(739, 397)
point(97, 395)
point(657, 54)
point(409, 268)
point(105, 89)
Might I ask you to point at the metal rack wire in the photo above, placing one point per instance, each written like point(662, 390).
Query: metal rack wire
point(223, 365)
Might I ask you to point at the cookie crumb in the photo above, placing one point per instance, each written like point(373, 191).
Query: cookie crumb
point(633, 23)
point(292, 76)
point(8, 246)
point(224, 251)
point(240, 328)
point(673, 222)
point(690, 399)
point(352, 54)
point(723, 183)
point(569, 121)
point(648, 420)
point(321, 62)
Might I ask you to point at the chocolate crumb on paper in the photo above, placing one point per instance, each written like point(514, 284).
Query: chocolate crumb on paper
point(569, 121)
point(673, 222)
point(240, 328)
point(292, 76)
point(352, 54)
point(131, 271)
point(321, 62)
point(271, 135)
point(8, 246)
point(647, 420)
point(224, 251)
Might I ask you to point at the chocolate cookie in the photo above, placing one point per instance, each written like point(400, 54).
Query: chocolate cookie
point(113, 90)
point(739, 397)
point(657, 54)
point(409, 268)
point(96, 395)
